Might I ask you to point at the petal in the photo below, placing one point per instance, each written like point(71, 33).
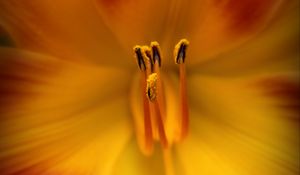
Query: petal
point(140, 21)
point(66, 29)
point(243, 125)
point(98, 154)
point(54, 114)
point(226, 25)
point(276, 47)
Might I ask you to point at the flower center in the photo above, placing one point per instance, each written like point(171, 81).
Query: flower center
point(156, 119)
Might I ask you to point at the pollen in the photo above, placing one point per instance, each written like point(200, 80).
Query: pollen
point(151, 89)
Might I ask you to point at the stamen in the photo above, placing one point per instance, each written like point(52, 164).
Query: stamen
point(147, 119)
point(180, 51)
point(146, 107)
point(149, 67)
point(156, 57)
point(151, 92)
point(180, 54)
point(149, 61)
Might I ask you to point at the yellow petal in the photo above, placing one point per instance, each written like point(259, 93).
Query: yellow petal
point(68, 29)
point(243, 125)
point(56, 114)
point(224, 25)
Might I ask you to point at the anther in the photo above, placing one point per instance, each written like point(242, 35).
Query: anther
point(180, 51)
point(139, 57)
point(155, 49)
point(180, 55)
point(146, 54)
point(147, 51)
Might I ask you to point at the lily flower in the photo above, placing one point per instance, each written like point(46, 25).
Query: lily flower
point(132, 87)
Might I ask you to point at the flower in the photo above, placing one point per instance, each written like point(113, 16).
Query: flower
point(71, 100)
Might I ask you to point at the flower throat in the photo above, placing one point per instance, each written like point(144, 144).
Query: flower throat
point(149, 61)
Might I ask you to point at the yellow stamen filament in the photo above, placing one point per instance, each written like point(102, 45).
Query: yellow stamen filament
point(180, 54)
point(151, 92)
point(146, 55)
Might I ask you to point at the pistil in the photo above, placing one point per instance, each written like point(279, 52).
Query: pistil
point(151, 92)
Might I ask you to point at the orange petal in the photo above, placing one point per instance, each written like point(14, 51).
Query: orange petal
point(67, 29)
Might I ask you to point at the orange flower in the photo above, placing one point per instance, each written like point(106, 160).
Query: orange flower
point(72, 103)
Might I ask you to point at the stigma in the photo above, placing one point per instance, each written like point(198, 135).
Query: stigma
point(155, 116)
